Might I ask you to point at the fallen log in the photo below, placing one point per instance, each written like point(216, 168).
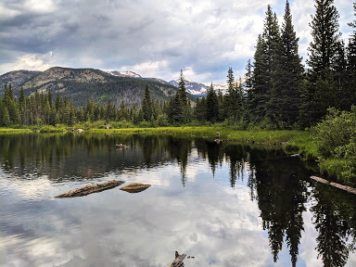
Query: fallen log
point(90, 189)
point(178, 261)
point(135, 187)
point(340, 186)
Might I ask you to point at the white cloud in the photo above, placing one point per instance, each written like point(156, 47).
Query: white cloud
point(40, 6)
point(8, 12)
point(30, 62)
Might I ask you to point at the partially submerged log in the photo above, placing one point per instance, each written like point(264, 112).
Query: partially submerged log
point(340, 186)
point(135, 187)
point(90, 189)
point(178, 261)
point(121, 146)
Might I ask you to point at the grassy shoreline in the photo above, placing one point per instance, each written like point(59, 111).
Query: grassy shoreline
point(292, 142)
point(14, 131)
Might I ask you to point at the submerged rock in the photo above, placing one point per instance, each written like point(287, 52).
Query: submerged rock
point(90, 189)
point(135, 187)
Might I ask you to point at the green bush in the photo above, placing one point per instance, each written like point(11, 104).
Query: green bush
point(334, 133)
point(335, 139)
point(145, 124)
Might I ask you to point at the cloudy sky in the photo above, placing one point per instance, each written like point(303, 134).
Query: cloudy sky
point(154, 38)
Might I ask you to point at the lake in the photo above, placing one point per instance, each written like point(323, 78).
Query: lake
point(224, 204)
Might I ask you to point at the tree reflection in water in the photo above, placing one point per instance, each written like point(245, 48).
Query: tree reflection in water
point(334, 219)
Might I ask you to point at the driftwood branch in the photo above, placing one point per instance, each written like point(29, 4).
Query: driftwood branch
point(178, 261)
point(340, 186)
point(90, 189)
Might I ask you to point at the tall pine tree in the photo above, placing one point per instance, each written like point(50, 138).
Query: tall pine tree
point(147, 106)
point(267, 66)
point(284, 100)
point(351, 65)
point(258, 94)
point(321, 92)
point(212, 105)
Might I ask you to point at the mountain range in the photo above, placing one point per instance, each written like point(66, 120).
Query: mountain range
point(83, 84)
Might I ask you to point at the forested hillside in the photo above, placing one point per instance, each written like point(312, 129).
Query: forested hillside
point(83, 84)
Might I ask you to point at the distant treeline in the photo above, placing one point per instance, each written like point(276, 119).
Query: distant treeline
point(278, 93)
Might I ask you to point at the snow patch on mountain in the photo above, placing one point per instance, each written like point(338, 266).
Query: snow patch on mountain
point(193, 88)
point(127, 73)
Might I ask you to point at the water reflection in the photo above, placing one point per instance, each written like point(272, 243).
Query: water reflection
point(334, 219)
point(281, 195)
point(277, 187)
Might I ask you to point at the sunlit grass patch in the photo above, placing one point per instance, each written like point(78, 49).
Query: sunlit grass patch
point(13, 131)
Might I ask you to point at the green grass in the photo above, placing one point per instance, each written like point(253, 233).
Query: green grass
point(14, 131)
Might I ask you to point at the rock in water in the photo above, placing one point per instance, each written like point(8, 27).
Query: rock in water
point(90, 189)
point(135, 187)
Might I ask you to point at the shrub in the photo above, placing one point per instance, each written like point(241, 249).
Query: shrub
point(334, 133)
point(335, 139)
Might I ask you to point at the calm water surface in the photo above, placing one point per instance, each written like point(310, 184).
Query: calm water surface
point(224, 204)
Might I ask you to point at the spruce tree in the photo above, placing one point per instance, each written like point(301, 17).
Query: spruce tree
point(22, 106)
point(2, 107)
point(321, 57)
point(240, 101)
point(272, 39)
point(285, 97)
point(248, 87)
point(50, 100)
point(147, 108)
point(212, 105)
point(6, 121)
point(179, 105)
point(230, 99)
point(258, 93)
point(339, 70)
point(184, 102)
point(324, 26)
point(351, 64)
point(200, 109)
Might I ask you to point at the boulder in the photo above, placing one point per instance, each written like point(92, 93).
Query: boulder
point(135, 187)
point(90, 189)
point(80, 130)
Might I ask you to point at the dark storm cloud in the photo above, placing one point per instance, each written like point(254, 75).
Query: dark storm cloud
point(116, 34)
point(153, 38)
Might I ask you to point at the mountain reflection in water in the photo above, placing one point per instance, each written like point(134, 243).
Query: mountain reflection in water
point(224, 203)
